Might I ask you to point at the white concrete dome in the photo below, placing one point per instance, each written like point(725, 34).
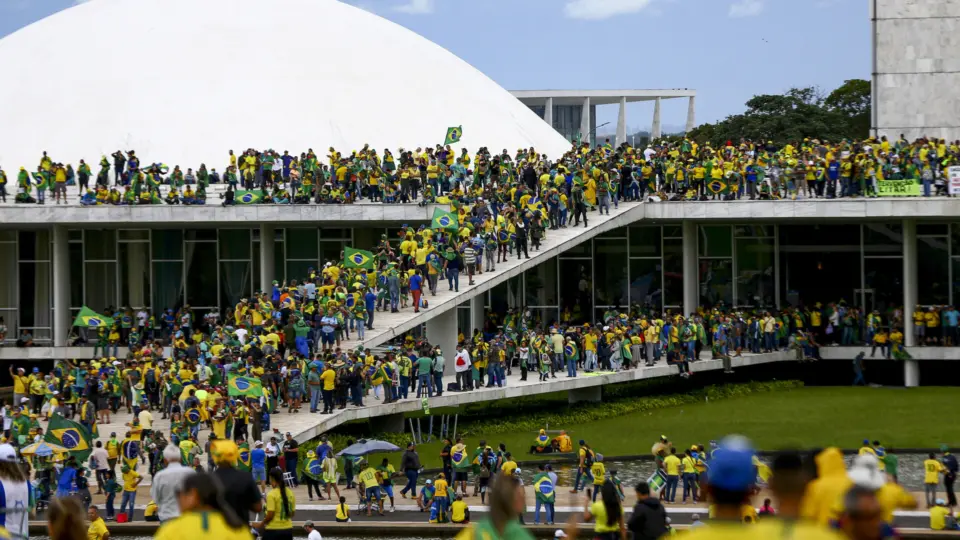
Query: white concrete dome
point(184, 81)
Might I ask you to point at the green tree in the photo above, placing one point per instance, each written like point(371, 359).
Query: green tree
point(799, 113)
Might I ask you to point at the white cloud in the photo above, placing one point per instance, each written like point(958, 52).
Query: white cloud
point(746, 8)
point(602, 9)
point(416, 7)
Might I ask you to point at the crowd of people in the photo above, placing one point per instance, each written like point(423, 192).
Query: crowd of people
point(664, 170)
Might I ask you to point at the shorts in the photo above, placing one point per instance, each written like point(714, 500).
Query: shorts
point(372, 493)
point(460, 476)
point(295, 394)
point(388, 490)
point(259, 475)
point(102, 404)
point(327, 338)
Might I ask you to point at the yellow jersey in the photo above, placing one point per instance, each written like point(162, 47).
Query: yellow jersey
point(931, 471)
point(281, 520)
point(671, 464)
point(200, 526)
point(598, 471)
point(441, 488)
point(97, 529)
point(763, 530)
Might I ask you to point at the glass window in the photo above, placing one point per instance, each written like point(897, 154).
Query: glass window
point(100, 286)
point(716, 282)
point(672, 272)
point(167, 244)
point(505, 295)
point(100, 245)
point(463, 321)
point(933, 228)
point(645, 241)
point(810, 277)
point(620, 232)
point(755, 279)
point(933, 273)
point(646, 279)
point(333, 233)
point(134, 234)
point(332, 251)
point(75, 251)
point(673, 231)
point(201, 273)
point(36, 294)
point(256, 266)
point(235, 282)
point(544, 317)
point(302, 244)
point(34, 245)
point(882, 239)
point(167, 285)
point(820, 235)
point(885, 278)
point(73, 235)
point(540, 284)
point(8, 269)
point(234, 243)
point(298, 270)
point(753, 231)
point(202, 234)
point(576, 288)
point(715, 241)
point(611, 271)
point(279, 265)
point(134, 275)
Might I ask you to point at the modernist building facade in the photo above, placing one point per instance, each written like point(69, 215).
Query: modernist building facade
point(748, 255)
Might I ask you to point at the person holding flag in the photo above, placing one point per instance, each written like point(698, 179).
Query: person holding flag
point(545, 493)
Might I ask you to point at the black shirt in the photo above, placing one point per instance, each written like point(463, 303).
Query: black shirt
point(239, 491)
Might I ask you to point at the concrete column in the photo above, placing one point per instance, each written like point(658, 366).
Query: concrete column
point(478, 313)
point(442, 332)
point(691, 298)
point(585, 121)
point(622, 122)
point(61, 286)
point(591, 394)
point(655, 131)
point(268, 249)
point(911, 370)
point(691, 113)
point(548, 112)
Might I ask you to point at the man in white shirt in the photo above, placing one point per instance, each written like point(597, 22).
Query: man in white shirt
point(167, 483)
point(312, 532)
point(241, 335)
point(463, 368)
point(100, 463)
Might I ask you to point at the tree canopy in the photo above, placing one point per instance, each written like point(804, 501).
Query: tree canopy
point(799, 113)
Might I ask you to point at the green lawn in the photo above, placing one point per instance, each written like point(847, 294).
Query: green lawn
point(802, 418)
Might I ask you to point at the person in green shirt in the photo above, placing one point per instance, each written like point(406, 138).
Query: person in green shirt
point(425, 385)
point(404, 364)
point(891, 463)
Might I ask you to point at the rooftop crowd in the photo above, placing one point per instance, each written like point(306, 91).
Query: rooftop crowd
point(677, 170)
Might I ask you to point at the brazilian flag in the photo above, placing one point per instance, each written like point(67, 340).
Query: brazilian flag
point(248, 197)
point(244, 386)
point(192, 416)
point(243, 464)
point(130, 452)
point(718, 187)
point(70, 435)
point(544, 488)
point(357, 258)
point(88, 318)
point(453, 135)
point(444, 221)
point(570, 350)
point(313, 468)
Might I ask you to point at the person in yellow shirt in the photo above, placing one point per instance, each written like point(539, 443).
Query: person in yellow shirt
point(688, 468)
point(97, 529)
point(459, 512)
point(509, 465)
point(931, 478)
point(21, 384)
point(370, 479)
point(599, 472)
point(280, 509)
point(671, 466)
point(941, 518)
point(203, 515)
point(440, 494)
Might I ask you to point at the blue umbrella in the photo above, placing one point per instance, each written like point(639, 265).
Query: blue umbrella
point(364, 447)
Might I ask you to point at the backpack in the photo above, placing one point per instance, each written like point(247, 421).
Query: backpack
point(588, 459)
point(151, 377)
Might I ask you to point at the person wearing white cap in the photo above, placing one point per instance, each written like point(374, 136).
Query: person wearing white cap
point(16, 491)
point(559, 534)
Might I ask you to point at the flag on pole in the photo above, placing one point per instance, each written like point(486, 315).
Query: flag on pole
point(453, 135)
point(357, 258)
point(88, 318)
point(244, 386)
point(444, 221)
point(70, 435)
point(248, 197)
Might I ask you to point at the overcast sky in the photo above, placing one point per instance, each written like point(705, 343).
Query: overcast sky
point(728, 50)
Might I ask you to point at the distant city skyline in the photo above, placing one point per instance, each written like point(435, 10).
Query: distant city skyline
point(727, 50)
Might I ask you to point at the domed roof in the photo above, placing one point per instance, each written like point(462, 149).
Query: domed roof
point(184, 81)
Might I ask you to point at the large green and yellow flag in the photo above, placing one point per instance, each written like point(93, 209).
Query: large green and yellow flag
point(88, 318)
point(718, 187)
point(70, 435)
point(453, 135)
point(444, 221)
point(357, 258)
point(243, 462)
point(248, 197)
point(244, 386)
